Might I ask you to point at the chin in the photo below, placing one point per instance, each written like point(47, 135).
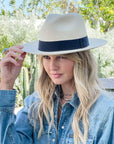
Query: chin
point(57, 82)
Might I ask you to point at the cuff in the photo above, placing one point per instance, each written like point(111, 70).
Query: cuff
point(7, 98)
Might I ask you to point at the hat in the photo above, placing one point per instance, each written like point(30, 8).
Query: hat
point(62, 34)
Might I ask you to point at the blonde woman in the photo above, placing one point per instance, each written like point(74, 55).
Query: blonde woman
point(68, 106)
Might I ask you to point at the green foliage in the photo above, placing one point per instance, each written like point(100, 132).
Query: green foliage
point(25, 82)
point(101, 12)
point(6, 42)
point(42, 8)
point(27, 78)
point(105, 54)
point(19, 30)
point(12, 2)
point(93, 10)
point(3, 12)
point(34, 73)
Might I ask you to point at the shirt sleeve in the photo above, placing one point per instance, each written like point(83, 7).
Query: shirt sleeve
point(13, 129)
point(106, 136)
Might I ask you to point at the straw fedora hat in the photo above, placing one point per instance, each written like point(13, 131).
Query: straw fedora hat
point(62, 34)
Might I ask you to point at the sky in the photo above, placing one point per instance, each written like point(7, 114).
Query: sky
point(6, 4)
point(18, 2)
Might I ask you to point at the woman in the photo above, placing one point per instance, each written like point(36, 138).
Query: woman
point(68, 106)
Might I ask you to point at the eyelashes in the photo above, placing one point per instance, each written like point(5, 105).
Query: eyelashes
point(46, 57)
point(57, 57)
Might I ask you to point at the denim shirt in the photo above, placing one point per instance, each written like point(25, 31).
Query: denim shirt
point(19, 129)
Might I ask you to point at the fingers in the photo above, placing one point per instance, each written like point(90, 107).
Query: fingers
point(23, 54)
point(15, 52)
point(17, 49)
point(9, 59)
point(15, 55)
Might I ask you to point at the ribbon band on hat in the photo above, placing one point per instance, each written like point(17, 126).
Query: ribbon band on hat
point(63, 45)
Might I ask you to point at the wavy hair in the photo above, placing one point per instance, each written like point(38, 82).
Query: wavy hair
point(86, 85)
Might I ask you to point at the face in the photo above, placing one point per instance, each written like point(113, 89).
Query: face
point(59, 69)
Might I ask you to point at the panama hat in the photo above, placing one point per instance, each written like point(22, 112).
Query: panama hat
point(62, 34)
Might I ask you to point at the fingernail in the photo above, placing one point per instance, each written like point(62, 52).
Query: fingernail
point(21, 52)
point(21, 58)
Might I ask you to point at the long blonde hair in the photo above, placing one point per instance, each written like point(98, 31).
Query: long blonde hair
point(87, 87)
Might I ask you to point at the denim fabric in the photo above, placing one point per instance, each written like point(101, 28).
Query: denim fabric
point(19, 129)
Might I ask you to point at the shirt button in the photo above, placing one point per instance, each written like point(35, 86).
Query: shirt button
point(62, 127)
point(53, 140)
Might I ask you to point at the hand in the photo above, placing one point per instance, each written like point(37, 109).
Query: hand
point(11, 66)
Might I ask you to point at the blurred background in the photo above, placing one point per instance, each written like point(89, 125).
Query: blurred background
point(20, 22)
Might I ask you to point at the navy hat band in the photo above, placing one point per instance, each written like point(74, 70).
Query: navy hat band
point(63, 45)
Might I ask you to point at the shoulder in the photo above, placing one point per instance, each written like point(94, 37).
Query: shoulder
point(105, 100)
point(29, 100)
point(103, 107)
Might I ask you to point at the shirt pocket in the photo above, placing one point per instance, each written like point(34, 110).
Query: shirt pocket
point(70, 140)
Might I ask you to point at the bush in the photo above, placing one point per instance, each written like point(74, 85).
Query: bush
point(104, 54)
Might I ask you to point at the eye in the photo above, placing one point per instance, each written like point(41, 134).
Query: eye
point(46, 57)
point(62, 57)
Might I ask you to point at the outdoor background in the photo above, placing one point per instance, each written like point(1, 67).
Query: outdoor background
point(20, 22)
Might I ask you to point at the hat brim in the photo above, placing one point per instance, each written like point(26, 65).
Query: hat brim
point(32, 47)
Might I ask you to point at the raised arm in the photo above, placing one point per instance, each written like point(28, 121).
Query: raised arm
point(12, 130)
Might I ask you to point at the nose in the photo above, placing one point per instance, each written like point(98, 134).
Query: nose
point(54, 65)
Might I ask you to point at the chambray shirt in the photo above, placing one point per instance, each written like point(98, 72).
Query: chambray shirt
point(19, 129)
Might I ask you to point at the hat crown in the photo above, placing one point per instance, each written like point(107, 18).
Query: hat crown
point(59, 27)
point(62, 34)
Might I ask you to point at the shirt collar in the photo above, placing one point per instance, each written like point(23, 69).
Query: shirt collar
point(74, 101)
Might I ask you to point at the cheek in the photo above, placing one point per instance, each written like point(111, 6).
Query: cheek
point(70, 70)
point(69, 67)
point(45, 65)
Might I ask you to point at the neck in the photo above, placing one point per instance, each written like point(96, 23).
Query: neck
point(68, 90)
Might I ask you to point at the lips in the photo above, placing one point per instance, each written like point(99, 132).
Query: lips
point(56, 75)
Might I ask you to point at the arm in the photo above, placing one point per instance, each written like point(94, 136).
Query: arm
point(106, 136)
point(13, 130)
point(10, 130)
